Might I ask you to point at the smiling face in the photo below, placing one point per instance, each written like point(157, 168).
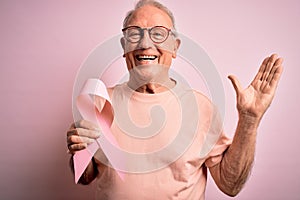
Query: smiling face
point(146, 52)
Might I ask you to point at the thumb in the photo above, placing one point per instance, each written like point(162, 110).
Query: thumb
point(236, 84)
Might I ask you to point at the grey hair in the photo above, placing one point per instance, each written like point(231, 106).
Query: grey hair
point(153, 3)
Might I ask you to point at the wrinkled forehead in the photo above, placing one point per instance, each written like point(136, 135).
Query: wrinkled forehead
point(149, 16)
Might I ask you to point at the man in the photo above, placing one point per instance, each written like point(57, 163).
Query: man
point(150, 43)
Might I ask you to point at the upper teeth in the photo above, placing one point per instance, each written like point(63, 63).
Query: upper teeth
point(146, 57)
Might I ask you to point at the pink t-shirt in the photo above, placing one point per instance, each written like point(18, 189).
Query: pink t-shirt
point(169, 140)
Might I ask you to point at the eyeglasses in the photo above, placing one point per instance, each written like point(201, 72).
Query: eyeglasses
point(158, 34)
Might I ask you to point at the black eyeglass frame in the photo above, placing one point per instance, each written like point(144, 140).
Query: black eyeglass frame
point(142, 31)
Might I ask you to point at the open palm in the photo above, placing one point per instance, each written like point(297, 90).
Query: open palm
point(257, 97)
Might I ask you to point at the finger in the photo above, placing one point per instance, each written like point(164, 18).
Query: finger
point(276, 76)
point(84, 132)
point(72, 131)
point(277, 63)
point(261, 69)
point(93, 134)
point(75, 139)
point(76, 147)
point(236, 84)
point(269, 66)
point(87, 125)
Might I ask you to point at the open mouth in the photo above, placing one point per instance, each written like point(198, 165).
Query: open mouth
point(145, 57)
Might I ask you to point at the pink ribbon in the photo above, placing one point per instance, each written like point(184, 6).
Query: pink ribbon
point(102, 116)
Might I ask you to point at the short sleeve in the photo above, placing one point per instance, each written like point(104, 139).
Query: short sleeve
point(216, 154)
point(215, 141)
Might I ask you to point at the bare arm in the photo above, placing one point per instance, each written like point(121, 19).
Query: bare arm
point(79, 136)
point(232, 172)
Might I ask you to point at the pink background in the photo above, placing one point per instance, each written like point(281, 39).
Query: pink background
point(43, 44)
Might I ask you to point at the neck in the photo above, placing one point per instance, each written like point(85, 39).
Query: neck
point(150, 79)
point(153, 88)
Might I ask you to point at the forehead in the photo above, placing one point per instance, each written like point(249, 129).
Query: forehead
point(149, 16)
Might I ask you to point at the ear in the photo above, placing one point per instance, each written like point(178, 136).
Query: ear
point(122, 40)
point(176, 47)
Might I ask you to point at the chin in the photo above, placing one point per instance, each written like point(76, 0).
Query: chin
point(149, 73)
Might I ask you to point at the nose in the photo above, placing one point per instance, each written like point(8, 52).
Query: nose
point(145, 42)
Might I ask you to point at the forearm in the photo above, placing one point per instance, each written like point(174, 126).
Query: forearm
point(232, 172)
point(89, 174)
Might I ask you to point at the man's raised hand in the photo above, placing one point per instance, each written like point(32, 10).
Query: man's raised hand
point(257, 97)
